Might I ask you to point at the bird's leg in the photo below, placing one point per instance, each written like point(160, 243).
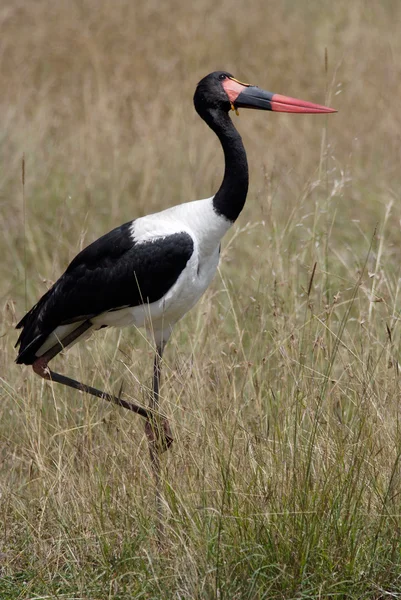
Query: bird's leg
point(40, 367)
point(160, 439)
point(157, 428)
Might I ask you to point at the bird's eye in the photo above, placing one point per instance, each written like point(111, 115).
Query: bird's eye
point(222, 76)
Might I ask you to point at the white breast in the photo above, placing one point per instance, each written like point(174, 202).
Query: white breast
point(197, 218)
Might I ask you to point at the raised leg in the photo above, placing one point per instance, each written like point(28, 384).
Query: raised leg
point(40, 366)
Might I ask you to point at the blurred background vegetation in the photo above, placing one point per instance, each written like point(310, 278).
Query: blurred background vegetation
point(283, 391)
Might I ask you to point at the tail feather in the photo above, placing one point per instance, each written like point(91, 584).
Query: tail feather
point(35, 330)
point(27, 353)
point(42, 324)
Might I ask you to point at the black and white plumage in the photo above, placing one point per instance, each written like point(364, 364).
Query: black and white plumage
point(149, 272)
point(117, 280)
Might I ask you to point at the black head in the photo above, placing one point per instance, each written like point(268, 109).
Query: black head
point(210, 92)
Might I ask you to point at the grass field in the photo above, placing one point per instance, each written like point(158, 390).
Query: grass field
point(283, 384)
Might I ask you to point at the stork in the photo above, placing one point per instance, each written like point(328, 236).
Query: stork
point(150, 271)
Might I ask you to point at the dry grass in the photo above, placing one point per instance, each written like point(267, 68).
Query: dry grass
point(283, 389)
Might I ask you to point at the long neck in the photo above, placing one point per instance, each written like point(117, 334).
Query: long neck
point(231, 196)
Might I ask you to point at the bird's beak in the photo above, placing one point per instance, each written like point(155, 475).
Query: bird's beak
point(249, 96)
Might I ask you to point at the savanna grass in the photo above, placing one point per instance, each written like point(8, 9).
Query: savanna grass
point(283, 384)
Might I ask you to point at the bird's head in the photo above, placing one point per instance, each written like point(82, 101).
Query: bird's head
point(221, 91)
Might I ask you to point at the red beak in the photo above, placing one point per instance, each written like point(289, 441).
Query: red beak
point(292, 105)
point(249, 96)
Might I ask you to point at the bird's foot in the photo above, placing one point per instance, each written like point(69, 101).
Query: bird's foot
point(159, 434)
point(40, 367)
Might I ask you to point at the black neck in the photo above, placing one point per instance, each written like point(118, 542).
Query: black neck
point(230, 199)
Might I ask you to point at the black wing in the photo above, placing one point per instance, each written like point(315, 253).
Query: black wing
point(113, 272)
